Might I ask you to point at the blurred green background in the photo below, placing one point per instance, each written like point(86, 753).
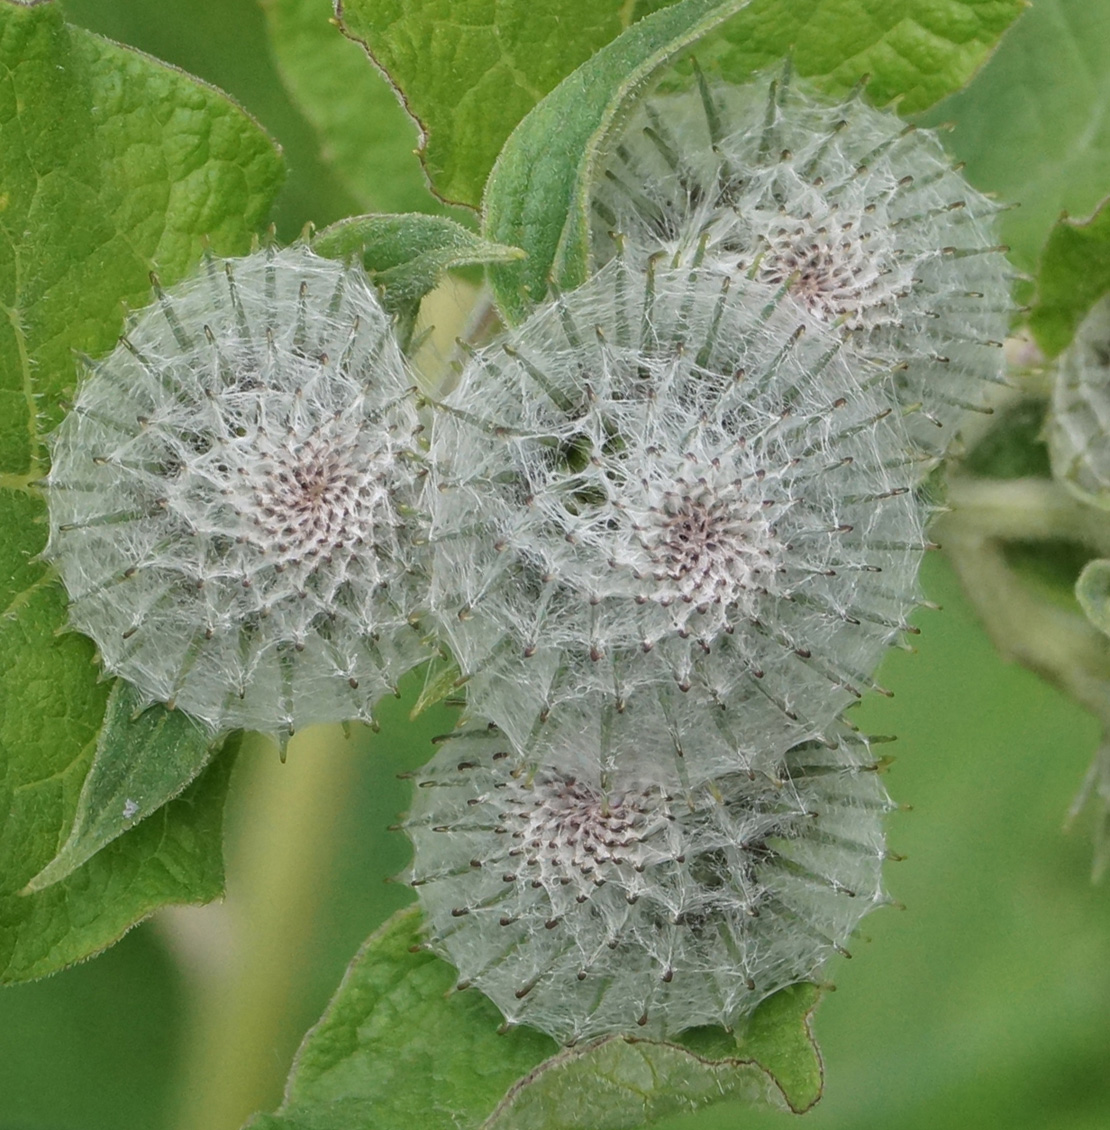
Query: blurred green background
point(986, 1002)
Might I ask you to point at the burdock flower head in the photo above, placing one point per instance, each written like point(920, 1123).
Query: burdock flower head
point(1078, 437)
point(665, 477)
point(862, 219)
point(585, 896)
point(230, 498)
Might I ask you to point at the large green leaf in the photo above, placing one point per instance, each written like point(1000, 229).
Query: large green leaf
point(365, 132)
point(174, 856)
point(469, 70)
point(536, 197)
point(1033, 126)
point(1074, 274)
point(917, 51)
point(111, 165)
point(395, 1020)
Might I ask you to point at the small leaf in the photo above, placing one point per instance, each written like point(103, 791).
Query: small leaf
point(1032, 126)
point(111, 165)
point(408, 255)
point(364, 130)
point(143, 759)
point(443, 677)
point(536, 197)
point(174, 856)
point(1093, 593)
point(470, 71)
point(395, 1019)
point(1074, 274)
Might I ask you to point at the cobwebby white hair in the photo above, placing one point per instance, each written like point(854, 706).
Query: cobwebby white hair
point(862, 218)
point(586, 897)
point(664, 477)
point(231, 497)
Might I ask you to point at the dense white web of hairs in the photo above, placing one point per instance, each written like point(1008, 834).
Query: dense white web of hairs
point(585, 898)
point(863, 218)
point(228, 497)
point(1079, 424)
point(662, 478)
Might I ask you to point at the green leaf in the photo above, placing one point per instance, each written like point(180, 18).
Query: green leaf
point(143, 759)
point(364, 130)
point(1032, 127)
point(623, 1084)
point(395, 1051)
point(408, 255)
point(536, 197)
point(1074, 274)
point(917, 51)
point(110, 165)
point(175, 855)
point(1014, 447)
point(443, 678)
point(1093, 593)
point(469, 70)
point(396, 1021)
point(780, 1038)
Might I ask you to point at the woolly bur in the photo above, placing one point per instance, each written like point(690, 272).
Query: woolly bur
point(1078, 429)
point(863, 219)
point(667, 479)
point(231, 499)
point(585, 896)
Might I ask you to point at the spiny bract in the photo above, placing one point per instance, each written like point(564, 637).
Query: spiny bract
point(663, 477)
point(1079, 424)
point(586, 898)
point(228, 497)
point(862, 218)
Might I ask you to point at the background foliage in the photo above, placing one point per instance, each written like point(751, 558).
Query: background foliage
point(982, 1004)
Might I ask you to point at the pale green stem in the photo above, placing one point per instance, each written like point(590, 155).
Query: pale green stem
point(1058, 643)
point(1023, 510)
point(239, 1045)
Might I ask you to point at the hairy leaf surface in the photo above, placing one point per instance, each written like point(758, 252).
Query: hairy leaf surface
point(407, 255)
point(174, 856)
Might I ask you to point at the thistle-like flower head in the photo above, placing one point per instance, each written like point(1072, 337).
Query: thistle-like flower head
point(230, 498)
point(861, 218)
point(586, 897)
point(1078, 429)
point(665, 478)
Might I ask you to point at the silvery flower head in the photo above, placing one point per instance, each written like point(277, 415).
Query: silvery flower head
point(586, 897)
point(667, 478)
point(230, 498)
point(863, 219)
point(1079, 425)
